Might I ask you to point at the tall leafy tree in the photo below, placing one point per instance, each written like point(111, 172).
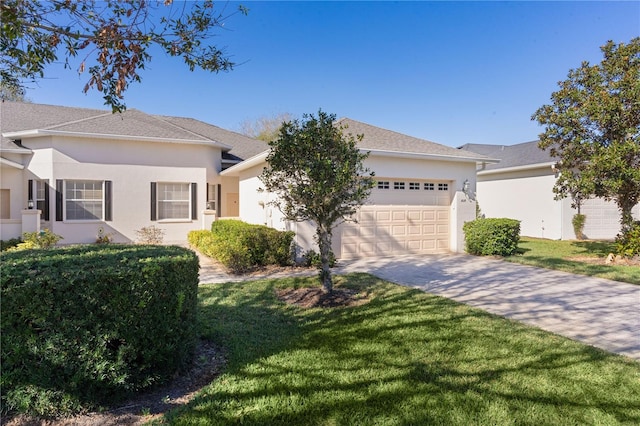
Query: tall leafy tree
point(592, 127)
point(112, 37)
point(318, 173)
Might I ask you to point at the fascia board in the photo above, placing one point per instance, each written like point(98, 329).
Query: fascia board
point(440, 157)
point(11, 163)
point(516, 168)
point(25, 134)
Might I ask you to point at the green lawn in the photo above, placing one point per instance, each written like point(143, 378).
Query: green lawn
point(404, 358)
point(557, 255)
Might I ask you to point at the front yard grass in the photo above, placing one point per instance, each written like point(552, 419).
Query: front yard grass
point(563, 255)
point(405, 357)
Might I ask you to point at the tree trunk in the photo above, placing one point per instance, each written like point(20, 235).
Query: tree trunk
point(625, 206)
point(324, 244)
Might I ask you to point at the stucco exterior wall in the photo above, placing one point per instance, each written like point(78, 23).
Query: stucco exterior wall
point(11, 180)
point(526, 196)
point(131, 166)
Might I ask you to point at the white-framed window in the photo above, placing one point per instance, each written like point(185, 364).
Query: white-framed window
point(174, 200)
point(429, 186)
point(398, 185)
point(414, 186)
point(41, 189)
point(383, 184)
point(211, 196)
point(443, 187)
point(83, 199)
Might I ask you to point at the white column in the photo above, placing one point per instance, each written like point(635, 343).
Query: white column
point(463, 209)
point(31, 220)
point(208, 217)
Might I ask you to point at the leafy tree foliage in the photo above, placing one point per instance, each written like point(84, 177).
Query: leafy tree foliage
point(265, 128)
point(114, 37)
point(592, 127)
point(317, 171)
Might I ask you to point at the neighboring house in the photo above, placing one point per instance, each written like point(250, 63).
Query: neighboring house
point(82, 170)
point(417, 205)
point(521, 187)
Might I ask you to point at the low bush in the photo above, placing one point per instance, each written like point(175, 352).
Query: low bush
point(85, 326)
point(240, 246)
point(492, 237)
point(628, 244)
point(44, 239)
point(7, 244)
point(312, 258)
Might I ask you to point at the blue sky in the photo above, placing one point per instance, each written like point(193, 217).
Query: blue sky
point(449, 72)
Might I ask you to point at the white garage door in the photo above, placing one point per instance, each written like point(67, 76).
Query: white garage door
point(404, 217)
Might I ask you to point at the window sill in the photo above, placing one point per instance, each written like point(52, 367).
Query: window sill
point(175, 221)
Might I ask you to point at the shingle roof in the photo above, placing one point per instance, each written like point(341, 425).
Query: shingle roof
point(377, 138)
point(20, 116)
point(522, 154)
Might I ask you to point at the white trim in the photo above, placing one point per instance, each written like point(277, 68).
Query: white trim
point(441, 157)
point(517, 168)
point(38, 132)
point(260, 158)
point(11, 163)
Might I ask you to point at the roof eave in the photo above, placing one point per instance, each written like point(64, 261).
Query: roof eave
point(11, 163)
point(25, 134)
point(439, 157)
point(517, 168)
point(246, 164)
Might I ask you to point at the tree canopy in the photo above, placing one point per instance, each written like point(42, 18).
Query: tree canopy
point(592, 127)
point(317, 171)
point(265, 128)
point(112, 37)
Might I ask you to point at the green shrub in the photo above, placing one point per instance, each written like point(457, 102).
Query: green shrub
point(85, 326)
point(578, 221)
point(492, 237)
point(312, 258)
point(44, 239)
point(628, 244)
point(7, 244)
point(240, 246)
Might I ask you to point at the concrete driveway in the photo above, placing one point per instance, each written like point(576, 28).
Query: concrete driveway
point(598, 312)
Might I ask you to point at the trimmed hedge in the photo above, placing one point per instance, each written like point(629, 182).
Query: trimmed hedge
point(240, 246)
point(88, 325)
point(492, 237)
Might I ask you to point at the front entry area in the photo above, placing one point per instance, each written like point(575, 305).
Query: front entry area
point(403, 217)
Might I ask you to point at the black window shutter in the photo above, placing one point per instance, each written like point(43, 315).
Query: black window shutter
point(154, 201)
point(108, 195)
point(194, 201)
point(30, 191)
point(59, 191)
point(45, 213)
point(218, 198)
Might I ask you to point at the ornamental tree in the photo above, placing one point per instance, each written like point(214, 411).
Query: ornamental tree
point(112, 37)
point(592, 127)
point(317, 172)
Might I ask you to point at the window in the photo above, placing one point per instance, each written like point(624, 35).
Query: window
point(84, 200)
point(41, 195)
point(398, 185)
point(413, 186)
point(429, 186)
point(443, 187)
point(211, 197)
point(173, 201)
point(383, 185)
point(5, 206)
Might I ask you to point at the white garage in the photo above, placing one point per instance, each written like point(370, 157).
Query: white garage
point(424, 194)
point(403, 217)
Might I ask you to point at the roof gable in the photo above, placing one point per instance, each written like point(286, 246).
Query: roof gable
point(377, 138)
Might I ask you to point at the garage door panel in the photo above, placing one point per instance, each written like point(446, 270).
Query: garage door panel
point(404, 216)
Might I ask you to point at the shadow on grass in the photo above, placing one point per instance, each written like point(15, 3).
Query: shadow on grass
point(406, 357)
point(599, 248)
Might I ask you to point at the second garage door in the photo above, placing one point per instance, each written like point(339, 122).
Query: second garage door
point(404, 217)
